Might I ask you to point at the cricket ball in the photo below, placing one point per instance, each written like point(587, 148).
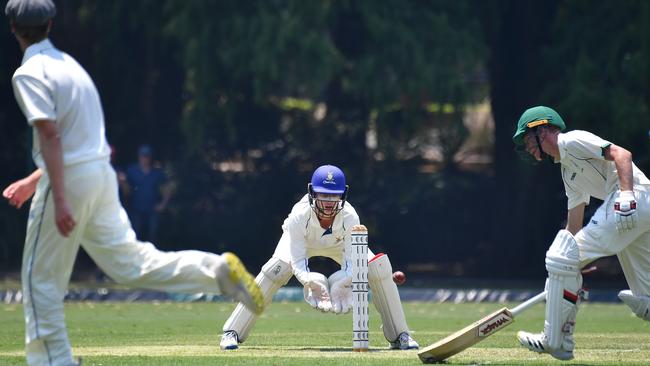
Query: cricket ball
point(399, 277)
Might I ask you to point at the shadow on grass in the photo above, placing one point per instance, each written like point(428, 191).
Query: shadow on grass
point(325, 349)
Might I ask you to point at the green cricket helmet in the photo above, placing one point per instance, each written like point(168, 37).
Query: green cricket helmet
point(534, 117)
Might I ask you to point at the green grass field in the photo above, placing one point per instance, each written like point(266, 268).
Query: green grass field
point(294, 334)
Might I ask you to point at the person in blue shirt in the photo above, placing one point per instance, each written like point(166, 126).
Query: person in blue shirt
point(147, 192)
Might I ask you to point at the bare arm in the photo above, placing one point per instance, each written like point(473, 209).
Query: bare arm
point(623, 161)
point(35, 176)
point(574, 219)
point(298, 250)
point(50, 142)
point(124, 183)
point(18, 192)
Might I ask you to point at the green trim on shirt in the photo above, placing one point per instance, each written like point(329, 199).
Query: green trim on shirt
point(603, 148)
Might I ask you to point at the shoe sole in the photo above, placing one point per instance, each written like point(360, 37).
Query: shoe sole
point(523, 343)
point(239, 274)
point(398, 348)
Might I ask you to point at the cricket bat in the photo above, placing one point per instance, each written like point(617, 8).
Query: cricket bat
point(475, 332)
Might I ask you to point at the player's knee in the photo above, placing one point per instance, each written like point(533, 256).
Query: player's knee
point(277, 271)
point(379, 268)
point(563, 266)
point(563, 257)
point(124, 277)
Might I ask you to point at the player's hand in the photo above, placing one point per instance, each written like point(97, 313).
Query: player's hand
point(18, 192)
point(63, 217)
point(341, 292)
point(625, 210)
point(316, 292)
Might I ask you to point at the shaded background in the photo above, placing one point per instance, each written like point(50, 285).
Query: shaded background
point(416, 101)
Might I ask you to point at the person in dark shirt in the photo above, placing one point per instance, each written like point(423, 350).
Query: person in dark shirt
point(147, 192)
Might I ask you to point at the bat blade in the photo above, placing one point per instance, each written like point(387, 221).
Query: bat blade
point(467, 337)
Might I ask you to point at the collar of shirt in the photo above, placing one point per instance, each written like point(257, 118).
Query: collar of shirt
point(36, 48)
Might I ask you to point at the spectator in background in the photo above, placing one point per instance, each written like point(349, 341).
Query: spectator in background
point(147, 192)
point(121, 176)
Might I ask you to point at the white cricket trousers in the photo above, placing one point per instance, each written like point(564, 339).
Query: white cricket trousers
point(104, 231)
point(600, 238)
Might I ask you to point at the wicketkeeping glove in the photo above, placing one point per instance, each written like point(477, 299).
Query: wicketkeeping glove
point(625, 210)
point(316, 292)
point(341, 290)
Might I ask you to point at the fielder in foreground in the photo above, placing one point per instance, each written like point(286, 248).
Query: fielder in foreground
point(320, 224)
point(76, 200)
point(590, 167)
point(475, 332)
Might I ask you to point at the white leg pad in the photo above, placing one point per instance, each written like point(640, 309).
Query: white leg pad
point(563, 291)
point(275, 274)
point(386, 297)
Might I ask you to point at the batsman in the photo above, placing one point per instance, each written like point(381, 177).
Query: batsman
point(320, 225)
point(590, 167)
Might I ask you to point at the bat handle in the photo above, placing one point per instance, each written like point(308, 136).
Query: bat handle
point(528, 303)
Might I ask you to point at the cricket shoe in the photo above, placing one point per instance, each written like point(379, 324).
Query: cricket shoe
point(640, 305)
point(537, 343)
point(229, 340)
point(404, 342)
point(235, 282)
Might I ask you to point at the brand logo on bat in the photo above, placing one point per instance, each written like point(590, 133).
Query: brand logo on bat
point(493, 325)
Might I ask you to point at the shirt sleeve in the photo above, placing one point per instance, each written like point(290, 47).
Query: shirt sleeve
point(574, 196)
point(586, 145)
point(34, 99)
point(298, 249)
point(581, 145)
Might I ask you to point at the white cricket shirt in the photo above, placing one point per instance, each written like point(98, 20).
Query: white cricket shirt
point(51, 85)
point(306, 235)
point(585, 171)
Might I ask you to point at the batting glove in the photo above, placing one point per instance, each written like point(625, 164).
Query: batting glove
point(625, 210)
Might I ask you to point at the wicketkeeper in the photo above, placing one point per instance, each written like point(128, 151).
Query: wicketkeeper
point(320, 225)
point(590, 167)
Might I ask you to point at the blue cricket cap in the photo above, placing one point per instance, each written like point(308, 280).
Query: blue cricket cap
point(145, 150)
point(328, 179)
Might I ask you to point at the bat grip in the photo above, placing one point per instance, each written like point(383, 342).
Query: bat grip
point(528, 303)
